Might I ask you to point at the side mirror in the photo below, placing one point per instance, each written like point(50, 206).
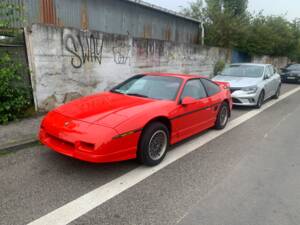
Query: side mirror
point(188, 101)
point(266, 77)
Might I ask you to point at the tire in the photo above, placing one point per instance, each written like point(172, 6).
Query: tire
point(277, 94)
point(261, 100)
point(154, 144)
point(223, 116)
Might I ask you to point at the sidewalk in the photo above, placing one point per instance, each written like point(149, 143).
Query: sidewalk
point(19, 133)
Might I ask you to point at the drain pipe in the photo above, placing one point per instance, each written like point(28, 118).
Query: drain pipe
point(202, 33)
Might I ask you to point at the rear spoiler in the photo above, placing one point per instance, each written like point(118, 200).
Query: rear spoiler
point(225, 85)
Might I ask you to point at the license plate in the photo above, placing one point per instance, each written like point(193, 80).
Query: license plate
point(291, 78)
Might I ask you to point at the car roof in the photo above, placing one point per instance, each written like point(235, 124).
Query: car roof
point(251, 64)
point(178, 75)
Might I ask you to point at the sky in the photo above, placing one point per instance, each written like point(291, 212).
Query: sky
point(289, 8)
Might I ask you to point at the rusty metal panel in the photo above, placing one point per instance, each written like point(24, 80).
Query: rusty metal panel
point(48, 12)
point(84, 21)
point(127, 17)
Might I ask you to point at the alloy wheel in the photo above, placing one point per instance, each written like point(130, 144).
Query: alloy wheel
point(223, 116)
point(158, 145)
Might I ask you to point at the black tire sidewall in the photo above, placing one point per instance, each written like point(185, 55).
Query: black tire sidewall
point(143, 146)
point(218, 124)
point(277, 94)
point(261, 99)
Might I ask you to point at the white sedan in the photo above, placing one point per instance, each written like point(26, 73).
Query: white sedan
point(251, 84)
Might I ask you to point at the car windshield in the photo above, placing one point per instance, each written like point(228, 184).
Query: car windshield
point(243, 71)
point(148, 86)
point(294, 67)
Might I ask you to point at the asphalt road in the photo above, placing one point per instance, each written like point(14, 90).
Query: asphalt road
point(248, 176)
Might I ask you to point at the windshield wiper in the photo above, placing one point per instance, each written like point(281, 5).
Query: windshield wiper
point(116, 92)
point(138, 95)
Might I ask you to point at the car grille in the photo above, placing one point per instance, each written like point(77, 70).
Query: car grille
point(235, 100)
point(62, 143)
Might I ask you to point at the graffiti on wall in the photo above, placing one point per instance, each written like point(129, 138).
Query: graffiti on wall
point(84, 49)
point(121, 53)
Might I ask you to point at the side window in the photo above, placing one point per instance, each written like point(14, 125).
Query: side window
point(194, 88)
point(272, 70)
point(210, 87)
point(268, 72)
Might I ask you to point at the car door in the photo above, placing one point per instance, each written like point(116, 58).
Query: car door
point(268, 83)
point(275, 80)
point(214, 96)
point(193, 118)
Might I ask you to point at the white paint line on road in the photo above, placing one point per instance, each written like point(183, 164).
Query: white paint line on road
point(82, 205)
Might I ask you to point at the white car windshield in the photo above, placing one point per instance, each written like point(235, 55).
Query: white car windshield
point(243, 71)
point(148, 86)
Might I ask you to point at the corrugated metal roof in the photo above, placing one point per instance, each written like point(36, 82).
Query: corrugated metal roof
point(164, 10)
point(127, 17)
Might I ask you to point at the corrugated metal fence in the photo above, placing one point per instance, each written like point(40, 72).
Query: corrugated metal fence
point(111, 16)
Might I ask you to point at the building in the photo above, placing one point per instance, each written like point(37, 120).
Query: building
point(127, 17)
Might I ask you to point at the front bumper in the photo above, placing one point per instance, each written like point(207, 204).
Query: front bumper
point(290, 78)
point(241, 98)
point(84, 141)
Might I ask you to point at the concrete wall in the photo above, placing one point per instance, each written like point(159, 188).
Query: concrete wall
point(68, 63)
point(278, 62)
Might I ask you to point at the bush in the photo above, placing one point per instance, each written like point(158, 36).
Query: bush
point(14, 98)
point(219, 66)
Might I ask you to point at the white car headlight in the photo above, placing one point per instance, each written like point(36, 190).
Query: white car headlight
point(250, 90)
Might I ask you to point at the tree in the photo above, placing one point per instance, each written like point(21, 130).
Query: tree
point(195, 10)
point(214, 6)
point(236, 7)
point(295, 53)
point(228, 24)
point(269, 35)
point(225, 20)
point(227, 31)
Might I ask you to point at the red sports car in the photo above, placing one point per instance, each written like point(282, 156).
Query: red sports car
point(139, 118)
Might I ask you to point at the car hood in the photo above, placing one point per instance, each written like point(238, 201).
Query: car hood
point(292, 71)
point(238, 81)
point(107, 109)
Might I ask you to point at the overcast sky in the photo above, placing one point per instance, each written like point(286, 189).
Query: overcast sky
point(270, 7)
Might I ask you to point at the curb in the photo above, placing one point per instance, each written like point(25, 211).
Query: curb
point(17, 145)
